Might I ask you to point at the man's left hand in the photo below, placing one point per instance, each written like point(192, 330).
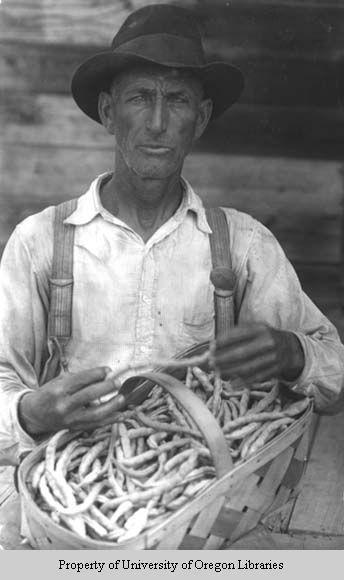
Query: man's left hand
point(257, 353)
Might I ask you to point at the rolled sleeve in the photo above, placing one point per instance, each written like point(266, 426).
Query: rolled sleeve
point(322, 376)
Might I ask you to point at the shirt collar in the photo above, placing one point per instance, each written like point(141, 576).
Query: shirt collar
point(89, 206)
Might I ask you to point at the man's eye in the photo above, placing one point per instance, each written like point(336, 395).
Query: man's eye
point(178, 99)
point(137, 99)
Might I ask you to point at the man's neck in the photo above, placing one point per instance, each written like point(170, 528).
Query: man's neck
point(143, 204)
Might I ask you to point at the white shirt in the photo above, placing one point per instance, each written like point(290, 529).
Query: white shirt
point(135, 301)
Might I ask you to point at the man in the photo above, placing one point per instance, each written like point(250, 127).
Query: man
point(141, 252)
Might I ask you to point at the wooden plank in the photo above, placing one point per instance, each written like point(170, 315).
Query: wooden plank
point(264, 185)
point(50, 171)
point(284, 194)
point(287, 195)
point(271, 130)
point(15, 208)
point(279, 26)
point(278, 23)
point(322, 282)
point(270, 80)
point(39, 67)
point(335, 315)
point(319, 508)
point(66, 21)
point(262, 539)
point(30, 117)
point(48, 120)
point(309, 4)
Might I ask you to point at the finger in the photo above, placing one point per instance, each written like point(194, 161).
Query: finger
point(250, 369)
point(264, 375)
point(241, 353)
point(101, 414)
point(90, 393)
point(240, 334)
point(73, 382)
point(81, 425)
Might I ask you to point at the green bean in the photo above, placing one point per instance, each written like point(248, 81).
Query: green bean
point(244, 402)
point(242, 431)
point(267, 433)
point(268, 399)
point(91, 455)
point(203, 379)
point(166, 426)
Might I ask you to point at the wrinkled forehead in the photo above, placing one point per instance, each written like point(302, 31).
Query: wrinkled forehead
point(153, 74)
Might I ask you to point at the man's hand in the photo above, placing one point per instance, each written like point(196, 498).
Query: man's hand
point(258, 353)
point(66, 402)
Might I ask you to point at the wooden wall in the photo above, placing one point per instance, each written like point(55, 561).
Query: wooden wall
point(276, 154)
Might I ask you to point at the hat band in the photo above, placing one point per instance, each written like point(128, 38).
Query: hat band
point(165, 49)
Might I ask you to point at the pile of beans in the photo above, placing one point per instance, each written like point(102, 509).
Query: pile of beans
point(120, 480)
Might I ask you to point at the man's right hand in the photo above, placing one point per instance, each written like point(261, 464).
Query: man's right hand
point(66, 402)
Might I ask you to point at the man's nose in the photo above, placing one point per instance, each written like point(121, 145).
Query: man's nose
point(158, 117)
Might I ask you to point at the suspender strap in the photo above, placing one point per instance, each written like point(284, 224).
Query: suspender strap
point(61, 281)
point(222, 274)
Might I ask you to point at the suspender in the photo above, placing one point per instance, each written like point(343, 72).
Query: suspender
point(61, 281)
point(222, 274)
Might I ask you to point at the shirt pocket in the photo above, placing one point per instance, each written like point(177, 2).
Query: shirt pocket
point(197, 327)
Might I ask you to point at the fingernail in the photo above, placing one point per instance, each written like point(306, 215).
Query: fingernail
point(119, 402)
point(109, 374)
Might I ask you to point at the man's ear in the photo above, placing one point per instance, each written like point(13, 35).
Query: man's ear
point(205, 111)
point(106, 112)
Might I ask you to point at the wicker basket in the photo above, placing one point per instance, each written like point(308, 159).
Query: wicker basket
point(230, 507)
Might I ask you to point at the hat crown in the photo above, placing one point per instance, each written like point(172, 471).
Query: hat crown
point(158, 19)
point(158, 34)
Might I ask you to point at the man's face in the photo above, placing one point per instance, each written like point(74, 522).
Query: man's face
point(155, 114)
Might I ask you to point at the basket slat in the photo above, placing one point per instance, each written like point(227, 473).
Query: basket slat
point(207, 517)
point(239, 496)
point(227, 522)
point(267, 488)
point(174, 539)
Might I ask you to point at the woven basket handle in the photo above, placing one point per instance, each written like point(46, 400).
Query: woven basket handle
point(200, 414)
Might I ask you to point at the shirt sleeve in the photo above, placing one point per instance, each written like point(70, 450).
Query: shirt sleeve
point(269, 291)
point(22, 342)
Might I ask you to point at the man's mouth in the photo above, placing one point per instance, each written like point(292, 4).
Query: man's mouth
point(155, 149)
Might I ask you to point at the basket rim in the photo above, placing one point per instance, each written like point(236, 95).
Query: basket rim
point(180, 515)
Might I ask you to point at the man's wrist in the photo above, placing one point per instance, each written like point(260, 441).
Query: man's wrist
point(292, 357)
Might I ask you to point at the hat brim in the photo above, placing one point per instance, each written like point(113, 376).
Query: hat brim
point(223, 83)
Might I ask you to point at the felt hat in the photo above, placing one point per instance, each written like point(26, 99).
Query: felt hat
point(162, 34)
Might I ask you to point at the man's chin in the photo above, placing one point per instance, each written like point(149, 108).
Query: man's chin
point(160, 171)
